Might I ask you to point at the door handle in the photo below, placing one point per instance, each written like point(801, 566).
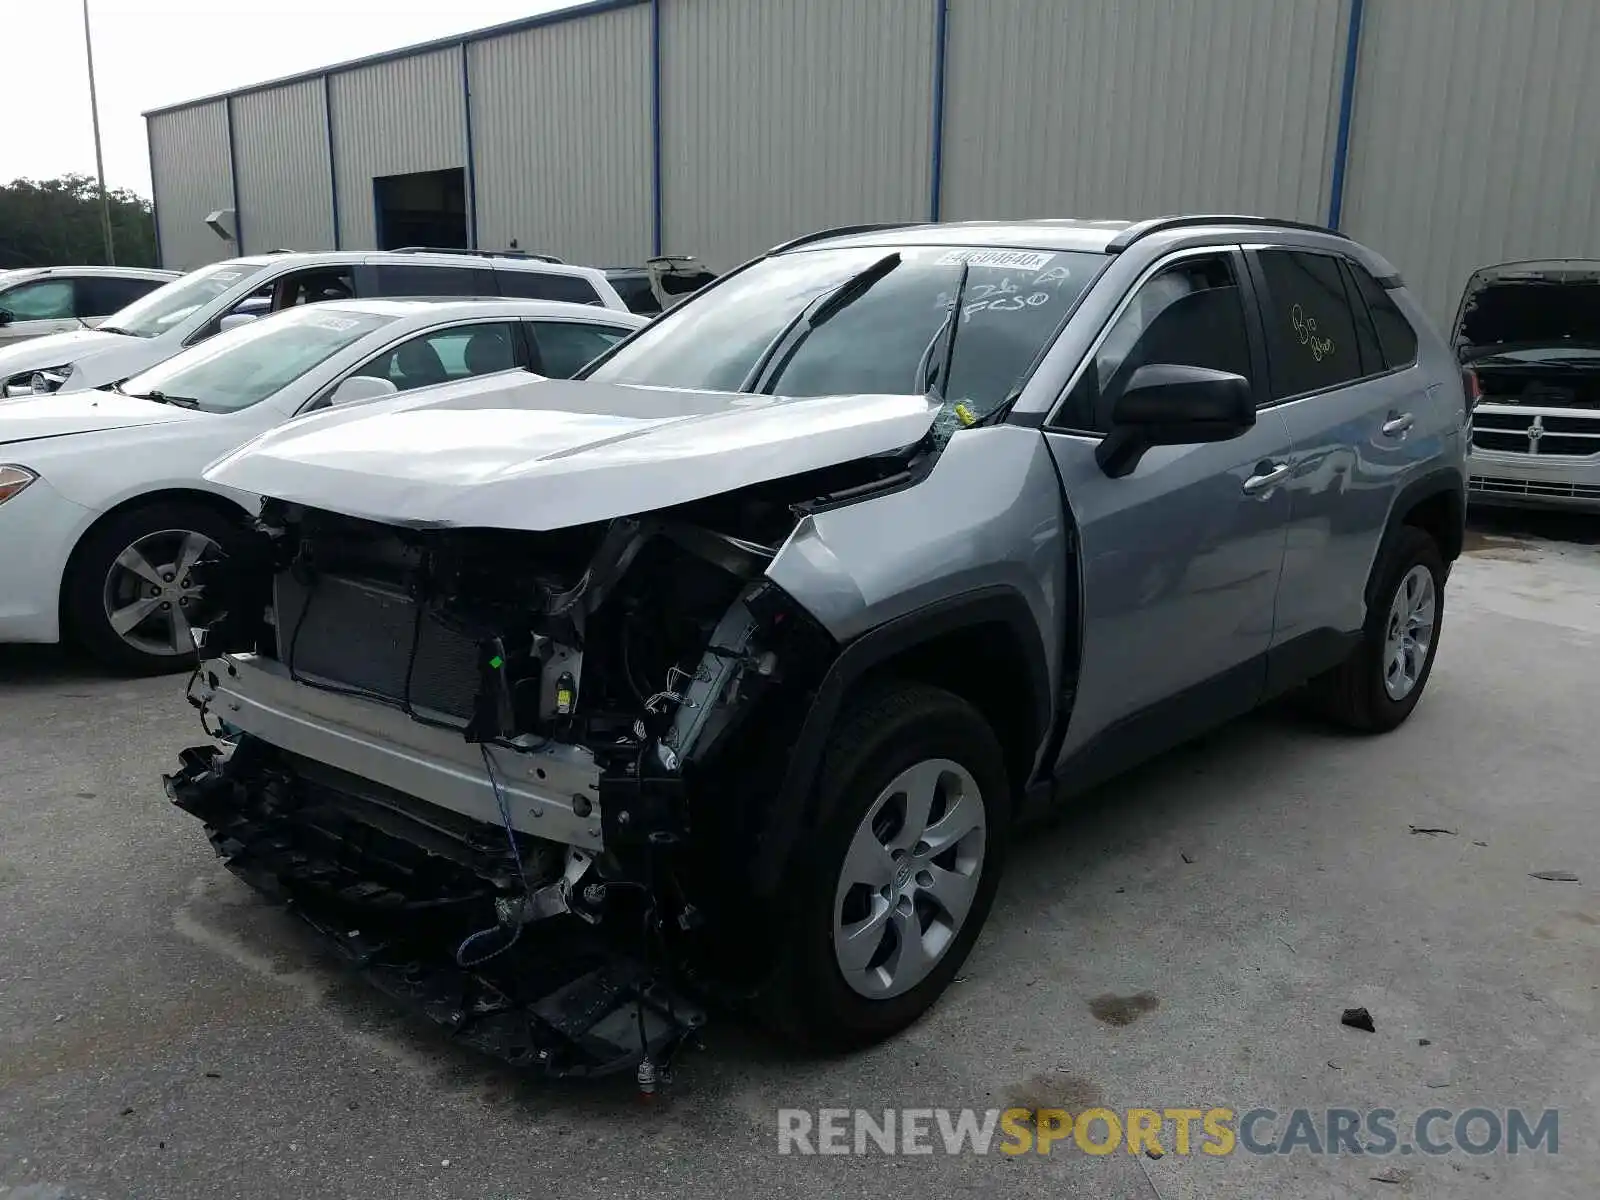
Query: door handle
point(1270, 475)
point(1398, 424)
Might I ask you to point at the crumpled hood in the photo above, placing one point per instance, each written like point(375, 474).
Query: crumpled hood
point(80, 412)
point(54, 349)
point(548, 454)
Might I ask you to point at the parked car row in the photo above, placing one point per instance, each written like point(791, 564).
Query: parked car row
point(105, 511)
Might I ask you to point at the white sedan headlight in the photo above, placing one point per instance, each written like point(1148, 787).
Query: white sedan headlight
point(42, 383)
point(38, 383)
point(13, 479)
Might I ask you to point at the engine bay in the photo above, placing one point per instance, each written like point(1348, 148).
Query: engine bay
point(516, 776)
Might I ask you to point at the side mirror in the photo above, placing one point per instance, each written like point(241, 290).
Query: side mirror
point(233, 320)
point(1166, 404)
point(361, 387)
point(6, 317)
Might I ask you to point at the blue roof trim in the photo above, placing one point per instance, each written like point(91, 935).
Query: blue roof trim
point(594, 8)
point(656, 217)
point(941, 32)
point(1347, 100)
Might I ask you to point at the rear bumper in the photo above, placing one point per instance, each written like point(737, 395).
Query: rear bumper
point(552, 791)
point(1526, 480)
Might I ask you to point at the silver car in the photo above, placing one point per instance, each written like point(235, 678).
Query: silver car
point(1528, 336)
point(729, 669)
point(39, 301)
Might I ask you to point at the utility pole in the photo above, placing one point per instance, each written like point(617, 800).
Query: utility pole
point(99, 161)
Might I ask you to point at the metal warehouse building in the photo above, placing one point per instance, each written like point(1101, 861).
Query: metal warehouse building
point(1445, 133)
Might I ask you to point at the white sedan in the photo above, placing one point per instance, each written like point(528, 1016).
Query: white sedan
point(103, 511)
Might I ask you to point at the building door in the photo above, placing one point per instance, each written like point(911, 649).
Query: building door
point(425, 208)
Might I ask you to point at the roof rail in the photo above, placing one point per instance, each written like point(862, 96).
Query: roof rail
point(529, 254)
point(1143, 229)
point(843, 231)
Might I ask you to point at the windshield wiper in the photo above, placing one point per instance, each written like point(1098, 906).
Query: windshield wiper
point(163, 398)
point(814, 315)
point(115, 329)
point(933, 368)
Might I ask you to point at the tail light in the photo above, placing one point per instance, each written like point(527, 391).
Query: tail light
point(1469, 382)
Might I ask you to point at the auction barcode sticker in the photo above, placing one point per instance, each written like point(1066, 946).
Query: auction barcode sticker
point(1017, 260)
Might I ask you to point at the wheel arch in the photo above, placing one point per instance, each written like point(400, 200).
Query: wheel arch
point(218, 504)
point(983, 646)
point(1435, 504)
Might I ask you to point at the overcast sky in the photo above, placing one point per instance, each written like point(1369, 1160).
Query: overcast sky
point(153, 52)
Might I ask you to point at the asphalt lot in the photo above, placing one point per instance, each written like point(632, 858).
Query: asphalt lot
point(163, 1034)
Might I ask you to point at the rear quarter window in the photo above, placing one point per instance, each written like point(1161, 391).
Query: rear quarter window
point(543, 285)
point(1396, 338)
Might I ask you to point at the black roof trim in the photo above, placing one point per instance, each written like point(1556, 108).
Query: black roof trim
point(1143, 229)
point(560, 15)
point(844, 231)
point(532, 255)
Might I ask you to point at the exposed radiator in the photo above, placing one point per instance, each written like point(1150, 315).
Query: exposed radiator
point(359, 635)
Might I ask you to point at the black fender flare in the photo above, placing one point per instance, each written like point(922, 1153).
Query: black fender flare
point(797, 809)
point(1444, 481)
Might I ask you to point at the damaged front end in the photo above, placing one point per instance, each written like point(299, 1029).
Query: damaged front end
point(518, 777)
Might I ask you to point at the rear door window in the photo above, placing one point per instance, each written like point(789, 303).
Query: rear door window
point(545, 285)
point(423, 279)
point(1395, 335)
point(1311, 330)
point(100, 296)
point(561, 348)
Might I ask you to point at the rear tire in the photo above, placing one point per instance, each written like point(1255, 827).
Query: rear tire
point(117, 598)
point(1376, 688)
point(850, 973)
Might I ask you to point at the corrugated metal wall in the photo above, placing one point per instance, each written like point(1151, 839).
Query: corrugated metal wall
point(1112, 108)
point(285, 184)
point(556, 170)
point(390, 119)
point(781, 117)
point(1475, 134)
point(191, 176)
point(1476, 137)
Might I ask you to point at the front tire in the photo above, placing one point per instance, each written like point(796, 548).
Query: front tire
point(131, 596)
point(902, 870)
point(1376, 688)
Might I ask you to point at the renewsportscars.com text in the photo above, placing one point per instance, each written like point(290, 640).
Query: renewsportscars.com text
point(1182, 1131)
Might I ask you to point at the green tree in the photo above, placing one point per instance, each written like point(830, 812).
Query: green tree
point(56, 222)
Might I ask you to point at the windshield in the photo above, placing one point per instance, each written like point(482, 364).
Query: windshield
point(1011, 303)
point(246, 365)
point(165, 307)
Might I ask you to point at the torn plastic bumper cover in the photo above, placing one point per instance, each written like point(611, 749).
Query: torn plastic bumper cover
point(400, 893)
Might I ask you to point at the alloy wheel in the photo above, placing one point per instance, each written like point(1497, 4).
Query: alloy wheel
point(151, 596)
point(909, 877)
point(1409, 632)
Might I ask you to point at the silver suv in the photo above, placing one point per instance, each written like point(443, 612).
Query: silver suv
point(728, 670)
